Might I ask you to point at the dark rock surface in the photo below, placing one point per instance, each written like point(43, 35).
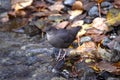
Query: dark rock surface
point(24, 58)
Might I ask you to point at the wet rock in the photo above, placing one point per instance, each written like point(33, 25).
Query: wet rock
point(5, 4)
point(88, 20)
point(93, 12)
point(57, 68)
point(69, 2)
point(31, 60)
point(115, 56)
point(4, 17)
point(18, 71)
point(85, 39)
point(105, 42)
point(50, 1)
point(106, 5)
point(104, 75)
point(86, 72)
point(65, 73)
point(58, 78)
point(113, 78)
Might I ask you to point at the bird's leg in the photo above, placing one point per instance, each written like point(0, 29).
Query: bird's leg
point(59, 54)
point(78, 41)
point(63, 57)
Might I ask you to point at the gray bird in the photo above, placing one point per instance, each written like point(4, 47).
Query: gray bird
point(61, 38)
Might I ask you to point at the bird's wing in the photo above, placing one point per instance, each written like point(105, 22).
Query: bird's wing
point(65, 36)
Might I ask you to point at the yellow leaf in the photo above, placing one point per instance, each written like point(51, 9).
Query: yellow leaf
point(75, 13)
point(20, 4)
point(113, 17)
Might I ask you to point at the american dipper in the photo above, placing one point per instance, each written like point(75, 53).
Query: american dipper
point(61, 38)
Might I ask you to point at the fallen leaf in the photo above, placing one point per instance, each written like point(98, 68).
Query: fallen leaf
point(83, 30)
point(113, 17)
point(106, 66)
point(75, 13)
point(57, 6)
point(77, 23)
point(99, 1)
point(62, 24)
point(93, 31)
point(87, 47)
point(20, 4)
point(99, 23)
point(56, 18)
point(117, 3)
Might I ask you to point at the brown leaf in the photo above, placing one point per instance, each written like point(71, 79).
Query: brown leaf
point(99, 1)
point(87, 47)
point(93, 31)
point(77, 23)
point(117, 3)
point(62, 24)
point(99, 23)
point(103, 65)
point(20, 4)
point(75, 13)
point(83, 30)
point(57, 6)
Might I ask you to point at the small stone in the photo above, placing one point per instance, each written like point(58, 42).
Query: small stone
point(85, 39)
point(69, 2)
point(93, 12)
point(106, 5)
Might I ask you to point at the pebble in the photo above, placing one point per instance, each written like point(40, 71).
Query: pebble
point(5, 4)
point(50, 1)
point(87, 20)
point(93, 12)
point(85, 39)
point(106, 40)
point(106, 5)
point(69, 2)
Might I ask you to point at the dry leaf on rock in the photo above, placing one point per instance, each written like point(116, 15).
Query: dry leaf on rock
point(56, 18)
point(20, 4)
point(117, 3)
point(75, 13)
point(62, 24)
point(77, 23)
point(87, 47)
point(57, 6)
point(99, 23)
point(83, 30)
point(113, 17)
point(77, 5)
point(93, 31)
point(105, 66)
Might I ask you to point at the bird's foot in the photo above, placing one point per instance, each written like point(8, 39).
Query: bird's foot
point(60, 56)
